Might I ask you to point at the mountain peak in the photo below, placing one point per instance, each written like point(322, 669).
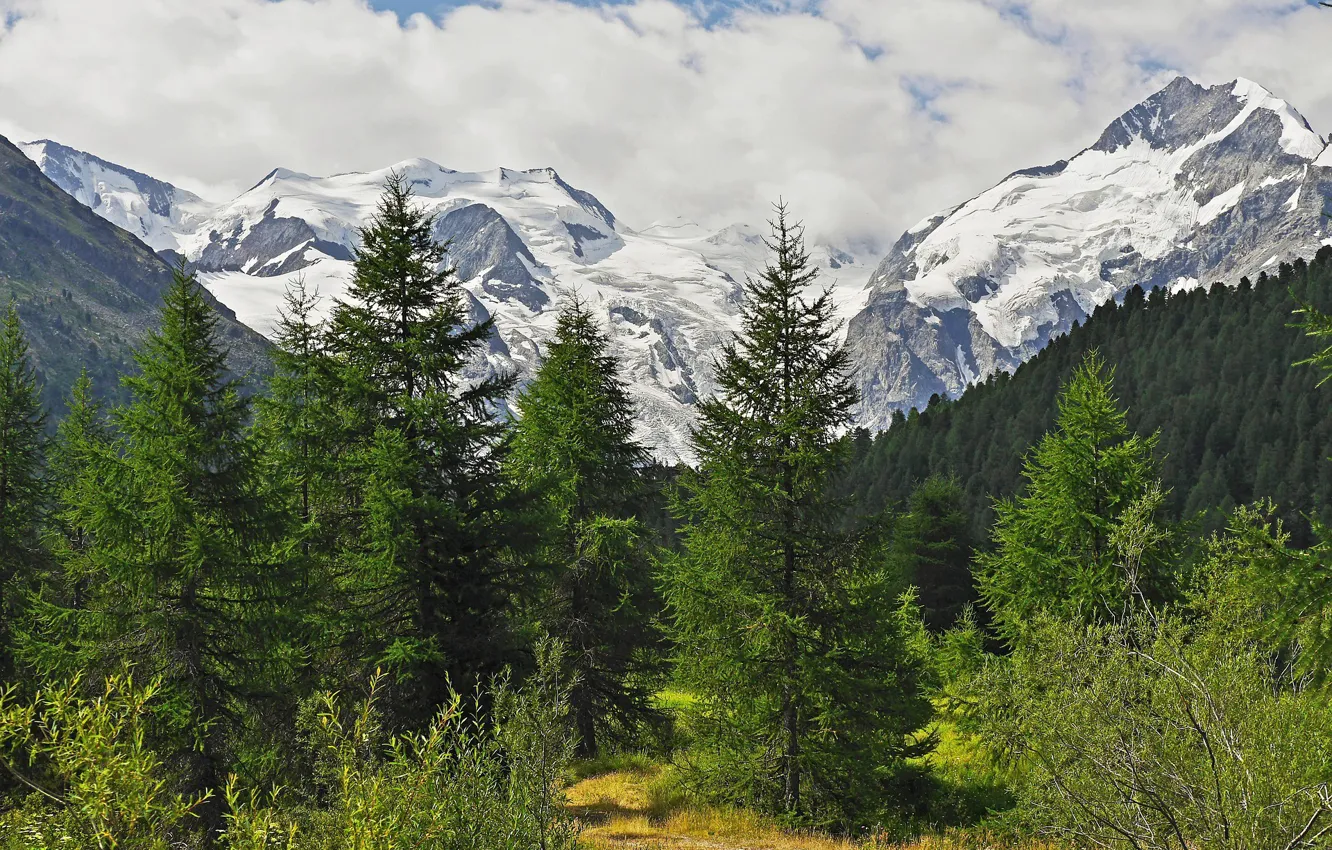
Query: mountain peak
point(1186, 114)
point(1195, 184)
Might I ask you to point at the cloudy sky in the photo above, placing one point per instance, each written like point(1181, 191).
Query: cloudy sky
point(866, 114)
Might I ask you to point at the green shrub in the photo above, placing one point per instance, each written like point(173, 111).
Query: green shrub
point(1155, 735)
point(457, 784)
point(93, 782)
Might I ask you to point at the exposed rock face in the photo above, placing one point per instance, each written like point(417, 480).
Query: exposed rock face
point(271, 247)
point(1192, 186)
point(484, 248)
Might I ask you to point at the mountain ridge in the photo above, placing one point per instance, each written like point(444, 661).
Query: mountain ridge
point(1191, 185)
point(86, 289)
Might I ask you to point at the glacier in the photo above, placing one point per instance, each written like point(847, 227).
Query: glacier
point(1194, 185)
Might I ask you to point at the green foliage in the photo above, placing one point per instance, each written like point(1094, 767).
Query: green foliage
point(1208, 371)
point(1055, 543)
point(573, 448)
point(932, 549)
point(92, 781)
point(180, 569)
point(421, 564)
point(807, 691)
point(48, 638)
point(23, 490)
point(1256, 585)
point(455, 785)
point(1151, 735)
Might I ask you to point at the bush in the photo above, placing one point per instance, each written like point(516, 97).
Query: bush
point(1155, 735)
point(458, 784)
point(93, 782)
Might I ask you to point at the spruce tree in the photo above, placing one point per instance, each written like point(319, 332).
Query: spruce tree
point(808, 691)
point(1055, 544)
point(22, 478)
point(185, 579)
point(574, 449)
point(423, 574)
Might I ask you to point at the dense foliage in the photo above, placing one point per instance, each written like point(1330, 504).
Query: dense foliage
point(378, 608)
point(1207, 371)
point(574, 448)
point(783, 620)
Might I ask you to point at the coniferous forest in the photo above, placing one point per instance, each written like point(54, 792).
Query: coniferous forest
point(385, 603)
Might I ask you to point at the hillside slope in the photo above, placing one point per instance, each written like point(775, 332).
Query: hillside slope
point(86, 290)
point(1211, 371)
point(1191, 186)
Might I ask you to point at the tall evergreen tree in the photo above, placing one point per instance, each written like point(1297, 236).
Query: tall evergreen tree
point(300, 426)
point(50, 644)
point(22, 477)
point(1055, 544)
point(807, 688)
point(426, 583)
point(574, 448)
point(185, 579)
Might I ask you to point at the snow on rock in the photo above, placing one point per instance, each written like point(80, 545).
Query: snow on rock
point(1325, 158)
point(1222, 203)
point(1191, 185)
point(523, 242)
point(151, 209)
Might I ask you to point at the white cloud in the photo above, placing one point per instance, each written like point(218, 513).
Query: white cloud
point(640, 104)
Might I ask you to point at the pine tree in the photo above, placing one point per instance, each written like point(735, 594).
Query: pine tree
point(807, 688)
point(1055, 543)
point(300, 427)
point(185, 577)
point(22, 478)
point(574, 448)
point(423, 573)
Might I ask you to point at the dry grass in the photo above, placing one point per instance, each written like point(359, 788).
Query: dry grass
point(639, 809)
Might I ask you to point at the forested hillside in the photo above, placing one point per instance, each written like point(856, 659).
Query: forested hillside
point(86, 290)
point(1210, 370)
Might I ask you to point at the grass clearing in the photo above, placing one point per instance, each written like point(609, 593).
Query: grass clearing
point(640, 806)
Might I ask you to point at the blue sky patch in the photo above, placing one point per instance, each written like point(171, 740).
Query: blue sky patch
point(710, 12)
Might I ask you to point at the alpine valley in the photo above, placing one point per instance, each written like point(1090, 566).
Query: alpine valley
point(1194, 185)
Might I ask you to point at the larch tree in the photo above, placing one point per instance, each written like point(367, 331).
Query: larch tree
point(574, 450)
point(1058, 545)
point(185, 578)
point(23, 487)
point(807, 680)
point(423, 571)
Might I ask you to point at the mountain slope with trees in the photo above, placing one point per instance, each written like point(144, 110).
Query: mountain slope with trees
point(86, 290)
point(1210, 370)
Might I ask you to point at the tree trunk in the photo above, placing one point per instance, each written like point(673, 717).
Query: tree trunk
point(586, 721)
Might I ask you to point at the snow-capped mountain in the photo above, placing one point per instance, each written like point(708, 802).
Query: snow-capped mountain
point(1194, 185)
point(523, 242)
point(152, 210)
